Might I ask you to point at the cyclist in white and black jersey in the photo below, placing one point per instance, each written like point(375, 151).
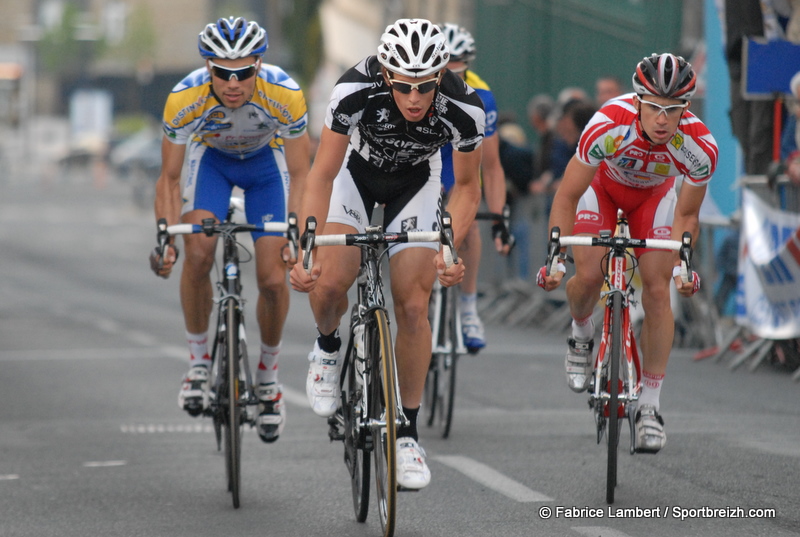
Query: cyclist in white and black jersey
point(388, 117)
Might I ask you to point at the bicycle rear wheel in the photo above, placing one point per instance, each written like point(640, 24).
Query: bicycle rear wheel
point(615, 356)
point(357, 440)
point(382, 403)
point(232, 411)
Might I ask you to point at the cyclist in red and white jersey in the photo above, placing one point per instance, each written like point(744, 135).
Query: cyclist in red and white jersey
point(630, 157)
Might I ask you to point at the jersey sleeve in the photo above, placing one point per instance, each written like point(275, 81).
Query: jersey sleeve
point(348, 98)
point(185, 104)
point(286, 102)
point(702, 154)
point(605, 131)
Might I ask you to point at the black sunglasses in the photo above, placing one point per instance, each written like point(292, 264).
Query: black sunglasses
point(426, 86)
point(240, 73)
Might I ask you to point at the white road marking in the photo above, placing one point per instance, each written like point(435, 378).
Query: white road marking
point(104, 464)
point(599, 531)
point(9, 477)
point(492, 478)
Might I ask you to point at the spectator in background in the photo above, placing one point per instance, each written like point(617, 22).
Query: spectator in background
point(790, 146)
point(751, 120)
point(516, 157)
point(559, 150)
point(540, 108)
point(606, 88)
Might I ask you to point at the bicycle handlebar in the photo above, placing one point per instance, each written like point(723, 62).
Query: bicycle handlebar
point(210, 227)
point(684, 247)
point(376, 237)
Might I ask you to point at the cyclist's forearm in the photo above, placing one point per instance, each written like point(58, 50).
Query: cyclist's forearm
point(298, 163)
point(463, 205)
point(494, 178)
point(167, 202)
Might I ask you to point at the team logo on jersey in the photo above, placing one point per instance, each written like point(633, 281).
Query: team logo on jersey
point(355, 215)
point(589, 216)
point(612, 143)
point(383, 115)
point(701, 172)
point(627, 163)
point(635, 153)
point(663, 232)
point(596, 152)
point(662, 169)
point(659, 157)
point(677, 141)
point(409, 224)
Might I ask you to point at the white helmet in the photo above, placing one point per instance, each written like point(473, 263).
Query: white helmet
point(459, 41)
point(413, 47)
point(232, 39)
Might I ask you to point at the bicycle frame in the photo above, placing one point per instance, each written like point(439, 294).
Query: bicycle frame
point(617, 280)
point(371, 407)
point(616, 380)
point(231, 388)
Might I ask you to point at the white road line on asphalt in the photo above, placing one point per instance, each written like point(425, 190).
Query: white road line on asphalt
point(599, 531)
point(492, 478)
point(9, 477)
point(103, 464)
point(94, 354)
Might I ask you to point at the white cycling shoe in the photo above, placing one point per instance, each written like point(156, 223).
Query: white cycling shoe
point(412, 470)
point(578, 364)
point(650, 435)
point(322, 383)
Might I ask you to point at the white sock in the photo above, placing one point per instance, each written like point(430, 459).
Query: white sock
point(583, 329)
point(267, 371)
point(651, 389)
point(198, 350)
point(469, 304)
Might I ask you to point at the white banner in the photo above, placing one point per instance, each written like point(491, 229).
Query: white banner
point(768, 294)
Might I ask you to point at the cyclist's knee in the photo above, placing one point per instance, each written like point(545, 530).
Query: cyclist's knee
point(411, 312)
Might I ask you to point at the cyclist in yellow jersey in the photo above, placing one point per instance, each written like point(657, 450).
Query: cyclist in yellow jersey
point(462, 52)
point(236, 122)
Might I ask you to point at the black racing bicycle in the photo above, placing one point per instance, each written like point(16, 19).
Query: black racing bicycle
point(231, 397)
point(447, 340)
point(371, 409)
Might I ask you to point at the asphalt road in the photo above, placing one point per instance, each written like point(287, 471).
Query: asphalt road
point(92, 441)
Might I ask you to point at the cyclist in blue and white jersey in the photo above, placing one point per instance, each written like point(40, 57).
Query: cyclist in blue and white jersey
point(462, 52)
point(237, 122)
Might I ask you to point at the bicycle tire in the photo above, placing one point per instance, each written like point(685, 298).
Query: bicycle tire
point(232, 421)
point(449, 395)
point(357, 443)
point(431, 396)
point(613, 389)
point(382, 403)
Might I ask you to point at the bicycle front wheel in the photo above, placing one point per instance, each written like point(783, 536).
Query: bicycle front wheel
point(615, 356)
point(382, 403)
point(232, 411)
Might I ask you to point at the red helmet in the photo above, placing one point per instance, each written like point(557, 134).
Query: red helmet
point(665, 75)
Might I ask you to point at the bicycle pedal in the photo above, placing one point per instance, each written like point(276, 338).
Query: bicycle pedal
point(404, 489)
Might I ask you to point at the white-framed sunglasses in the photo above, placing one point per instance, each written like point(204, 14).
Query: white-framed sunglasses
point(670, 110)
point(237, 73)
point(423, 86)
